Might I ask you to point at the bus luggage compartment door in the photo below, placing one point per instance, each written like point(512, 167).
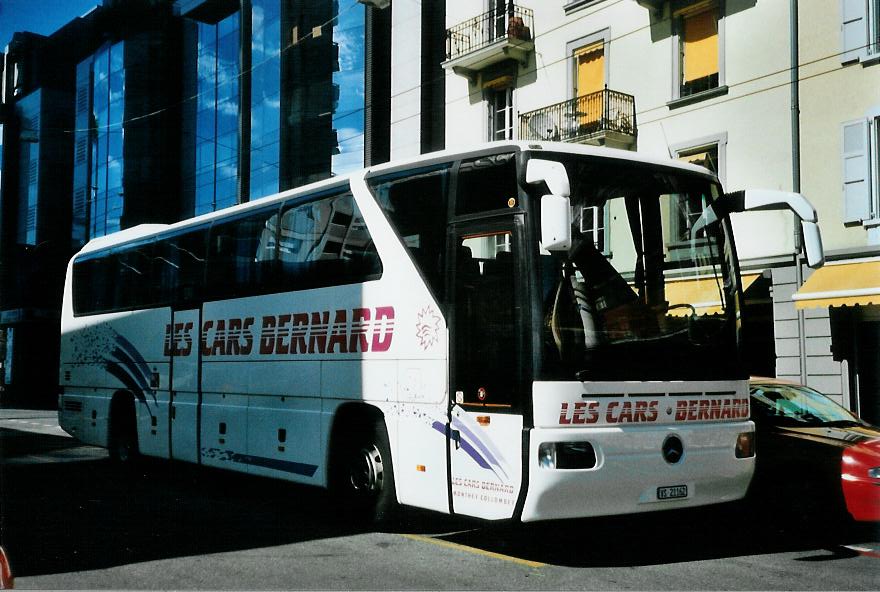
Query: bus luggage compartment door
point(185, 389)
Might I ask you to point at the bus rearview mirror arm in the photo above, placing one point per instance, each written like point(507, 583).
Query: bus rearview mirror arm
point(754, 200)
point(556, 207)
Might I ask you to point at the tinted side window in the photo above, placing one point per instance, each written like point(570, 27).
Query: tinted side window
point(486, 183)
point(92, 285)
point(180, 265)
point(132, 283)
point(120, 279)
point(416, 206)
point(324, 243)
point(241, 259)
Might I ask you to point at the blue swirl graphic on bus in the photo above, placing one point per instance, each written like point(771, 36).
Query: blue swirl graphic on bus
point(482, 451)
point(129, 367)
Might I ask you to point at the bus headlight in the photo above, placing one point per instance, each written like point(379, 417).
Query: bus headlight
point(566, 455)
point(745, 445)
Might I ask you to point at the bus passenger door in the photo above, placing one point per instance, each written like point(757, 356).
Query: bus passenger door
point(185, 388)
point(485, 417)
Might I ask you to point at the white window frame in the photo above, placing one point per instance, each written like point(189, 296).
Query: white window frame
point(491, 132)
point(719, 5)
point(704, 143)
point(860, 31)
point(601, 216)
point(871, 127)
point(719, 141)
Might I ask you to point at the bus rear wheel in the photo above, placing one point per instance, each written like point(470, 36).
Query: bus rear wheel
point(364, 480)
point(123, 442)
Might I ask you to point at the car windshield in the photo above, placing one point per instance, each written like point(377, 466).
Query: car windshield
point(797, 405)
point(646, 291)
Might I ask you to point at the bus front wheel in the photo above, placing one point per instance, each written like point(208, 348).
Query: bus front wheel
point(364, 475)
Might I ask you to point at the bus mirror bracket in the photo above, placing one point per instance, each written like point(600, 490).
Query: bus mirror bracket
point(754, 200)
point(556, 207)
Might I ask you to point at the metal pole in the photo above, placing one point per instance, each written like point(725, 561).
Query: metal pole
point(796, 173)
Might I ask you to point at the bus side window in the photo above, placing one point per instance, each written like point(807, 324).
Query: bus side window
point(182, 259)
point(241, 256)
point(416, 206)
point(93, 286)
point(325, 243)
point(132, 283)
point(486, 183)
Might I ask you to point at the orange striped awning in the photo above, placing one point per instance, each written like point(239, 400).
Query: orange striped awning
point(841, 284)
point(701, 293)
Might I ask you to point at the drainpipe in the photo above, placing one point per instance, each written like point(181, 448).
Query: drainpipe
point(796, 173)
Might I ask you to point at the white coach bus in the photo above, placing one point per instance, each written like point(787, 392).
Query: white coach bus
point(523, 330)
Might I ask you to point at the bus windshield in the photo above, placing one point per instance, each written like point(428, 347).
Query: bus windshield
point(644, 293)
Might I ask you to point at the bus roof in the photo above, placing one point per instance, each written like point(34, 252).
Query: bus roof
point(147, 230)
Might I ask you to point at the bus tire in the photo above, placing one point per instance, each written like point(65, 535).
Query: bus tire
point(364, 476)
point(123, 441)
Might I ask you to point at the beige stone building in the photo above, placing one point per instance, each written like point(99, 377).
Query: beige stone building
point(711, 82)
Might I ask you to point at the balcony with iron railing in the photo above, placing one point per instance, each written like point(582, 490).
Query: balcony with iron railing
point(602, 118)
point(492, 37)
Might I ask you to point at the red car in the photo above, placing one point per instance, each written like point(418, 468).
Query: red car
point(812, 452)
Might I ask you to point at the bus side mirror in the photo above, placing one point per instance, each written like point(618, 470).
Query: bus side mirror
point(754, 200)
point(812, 244)
point(556, 207)
point(555, 223)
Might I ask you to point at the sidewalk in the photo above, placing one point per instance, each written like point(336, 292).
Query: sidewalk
point(32, 414)
point(29, 437)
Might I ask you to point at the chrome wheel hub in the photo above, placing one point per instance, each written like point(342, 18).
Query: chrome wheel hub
point(366, 473)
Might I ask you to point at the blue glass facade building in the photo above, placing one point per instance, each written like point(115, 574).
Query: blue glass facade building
point(154, 111)
point(279, 97)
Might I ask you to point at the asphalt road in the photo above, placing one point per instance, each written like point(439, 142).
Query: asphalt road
point(72, 520)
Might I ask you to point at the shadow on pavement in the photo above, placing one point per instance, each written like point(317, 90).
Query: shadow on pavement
point(727, 530)
point(92, 514)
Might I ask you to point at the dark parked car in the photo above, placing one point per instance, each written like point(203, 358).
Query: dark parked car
point(812, 453)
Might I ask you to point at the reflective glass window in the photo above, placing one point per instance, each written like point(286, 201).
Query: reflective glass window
point(348, 113)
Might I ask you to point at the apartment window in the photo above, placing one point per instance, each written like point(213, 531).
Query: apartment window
point(707, 154)
point(699, 45)
point(593, 226)
point(860, 30)
point(500, 114)
point(861, 168)
point(589, 81)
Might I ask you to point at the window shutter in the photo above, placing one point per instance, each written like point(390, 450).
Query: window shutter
point(853, 30)
point(700, 45)
point(856, 172)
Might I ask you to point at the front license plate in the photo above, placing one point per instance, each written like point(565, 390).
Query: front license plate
point(672, 492)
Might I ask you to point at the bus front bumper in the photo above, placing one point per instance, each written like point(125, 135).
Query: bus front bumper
point(630, 473)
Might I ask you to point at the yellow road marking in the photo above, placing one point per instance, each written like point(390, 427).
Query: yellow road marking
point(474, 550)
